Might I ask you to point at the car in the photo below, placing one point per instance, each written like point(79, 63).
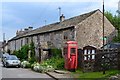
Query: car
point(4, 56)
point(11, 60)
point(112, 46)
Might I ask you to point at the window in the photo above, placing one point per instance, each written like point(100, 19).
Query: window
point(27, 40)
point(72, 51)
point(72, 34)
point(31, 38)
point(65, 35)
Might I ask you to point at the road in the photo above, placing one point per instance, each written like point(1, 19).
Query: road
point(21, 74)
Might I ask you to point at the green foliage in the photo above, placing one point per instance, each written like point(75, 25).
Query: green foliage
point(24, 52)
point(56, 60)
point(94, 75)
point(60, 63)
point(17, 53)
point(56, 52)
point(32, 60)
point(57, 63)
point(44, 67)
point(32, 53)
point(115, 20)
point(32, 49)
point(25, 64)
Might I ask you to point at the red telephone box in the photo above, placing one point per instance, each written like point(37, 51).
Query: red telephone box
point(70, 55)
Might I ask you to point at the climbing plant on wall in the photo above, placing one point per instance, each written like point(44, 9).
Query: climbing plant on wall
point(32, 52)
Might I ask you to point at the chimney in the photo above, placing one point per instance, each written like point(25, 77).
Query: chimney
point(30, 28)
point(17, 32)
point(26, 29)
point(62, 18)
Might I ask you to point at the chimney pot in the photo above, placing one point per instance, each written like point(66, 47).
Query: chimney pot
point(30, 28)
point(26, 29)
point(62, 18)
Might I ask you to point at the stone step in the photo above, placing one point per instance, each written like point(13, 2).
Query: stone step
point(61, 72)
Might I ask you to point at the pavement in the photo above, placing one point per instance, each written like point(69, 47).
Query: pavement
point(61, 75)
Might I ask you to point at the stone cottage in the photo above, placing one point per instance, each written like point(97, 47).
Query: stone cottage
point(86, 29)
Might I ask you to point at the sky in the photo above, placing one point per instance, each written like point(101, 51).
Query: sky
point(17, 15)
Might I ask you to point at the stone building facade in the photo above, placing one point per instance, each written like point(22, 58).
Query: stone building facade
point(86, 29)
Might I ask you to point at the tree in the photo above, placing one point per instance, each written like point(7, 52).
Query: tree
point(115, 20)
point(24, 51)
point(32, 53)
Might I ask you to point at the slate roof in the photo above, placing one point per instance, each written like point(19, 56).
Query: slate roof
point(57, 26)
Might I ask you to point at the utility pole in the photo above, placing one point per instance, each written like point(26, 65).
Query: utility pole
point(103, 26)
point(103, 42)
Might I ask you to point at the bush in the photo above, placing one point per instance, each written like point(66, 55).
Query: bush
point(57, 63)
point(18, 54)
point(25, 64)
point(24, 52)
point(44, 67)
point(34, 64)
point(32, 60)
point(60, 63)
point(56, 52)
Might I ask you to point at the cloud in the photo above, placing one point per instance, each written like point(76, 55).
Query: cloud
point(111, 3)
point(19, 13)
point(57, 0)
point(0, 22)
point(48, 1)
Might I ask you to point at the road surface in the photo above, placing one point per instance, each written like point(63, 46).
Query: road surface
point(21, 74)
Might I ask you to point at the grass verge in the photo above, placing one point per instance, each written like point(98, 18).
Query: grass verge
point(94, 75)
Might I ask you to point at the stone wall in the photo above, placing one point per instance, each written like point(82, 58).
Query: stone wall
point(44, 41)
point(90, 31)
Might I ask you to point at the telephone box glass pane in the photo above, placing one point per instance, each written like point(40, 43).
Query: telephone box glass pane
point(72, 51)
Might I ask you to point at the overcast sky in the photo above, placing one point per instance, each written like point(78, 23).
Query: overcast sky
point(24, 13)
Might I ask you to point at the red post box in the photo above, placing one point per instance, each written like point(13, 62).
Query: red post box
point(70, 55)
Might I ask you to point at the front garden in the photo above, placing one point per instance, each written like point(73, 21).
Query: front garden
point(56, 61)
point(28, 60)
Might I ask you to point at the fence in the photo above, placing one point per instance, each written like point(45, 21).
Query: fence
point(92, 59)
